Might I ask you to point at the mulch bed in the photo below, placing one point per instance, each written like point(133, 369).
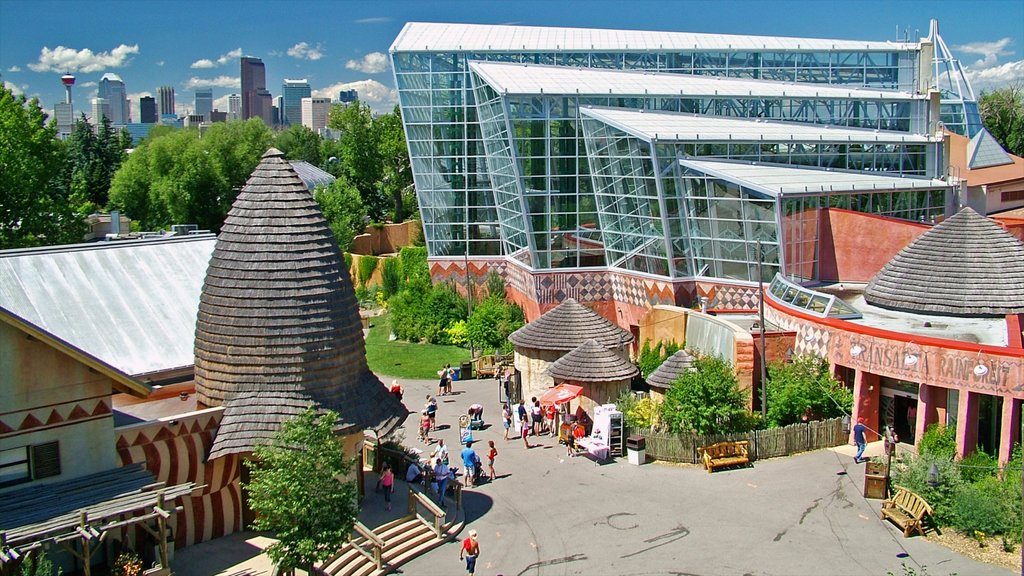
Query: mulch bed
point(992, 553)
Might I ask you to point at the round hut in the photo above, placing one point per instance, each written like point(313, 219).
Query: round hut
point(665, 375)
point(558, 331)
point(603, 373)
point(278, 327)
point(965, 266)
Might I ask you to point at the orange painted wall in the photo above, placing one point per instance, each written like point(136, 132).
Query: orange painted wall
point(854, 246)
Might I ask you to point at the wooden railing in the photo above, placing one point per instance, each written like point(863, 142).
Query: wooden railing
point(770, 443)
point(417, 499)
point(376, 545)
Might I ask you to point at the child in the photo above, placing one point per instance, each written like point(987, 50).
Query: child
point(524, 431)
point(432, 411)
point(506, 417)
point(425, 427)
point(492, 452)
point(387, 481)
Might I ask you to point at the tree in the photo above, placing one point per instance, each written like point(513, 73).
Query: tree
point(93, 157)
point(804, 389)
point(296, 491)
point(34, 207)
point(396, 169)
point(1002, 112)
point(298, 142)
point(343, 208)
point(492, 321)
point(706, 400)
point(359, 154)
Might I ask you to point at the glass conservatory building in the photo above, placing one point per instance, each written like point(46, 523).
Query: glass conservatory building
point(495, 119)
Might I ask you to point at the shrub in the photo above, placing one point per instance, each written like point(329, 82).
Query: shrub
point(984, 507)
point(443, 306)
point(391, 276)
point(652, 357)
point(913, 475)
point(978, 466)
point(366, 267)
point(492, 321)
point(938, 442)
point(414, 263)
point(348, 260)
point(706, 400)
point(803, 389)
point(457, 333)
point(495, 284)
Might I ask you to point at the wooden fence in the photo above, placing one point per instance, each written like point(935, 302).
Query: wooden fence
point(769, 443)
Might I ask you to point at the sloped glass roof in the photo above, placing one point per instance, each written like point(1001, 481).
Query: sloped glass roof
point(983, 151)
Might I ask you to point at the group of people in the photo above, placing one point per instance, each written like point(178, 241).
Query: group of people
point(428, 419)
point(446, 375)
point(538, 420)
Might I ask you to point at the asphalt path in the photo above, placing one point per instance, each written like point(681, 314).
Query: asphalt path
point(547, 514)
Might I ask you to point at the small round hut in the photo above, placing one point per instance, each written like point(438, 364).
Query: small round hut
point(278, 327)
point(665, 375)
point(557, 332)
point(603, 373)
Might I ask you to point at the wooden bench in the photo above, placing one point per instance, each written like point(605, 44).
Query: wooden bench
point(725, 454)
point(906, 510)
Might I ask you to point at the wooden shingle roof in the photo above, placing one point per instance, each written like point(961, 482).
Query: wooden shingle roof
point(278, 326)
point(664, 375)
point(567, 326)
point(592, 362)
point(964, 266)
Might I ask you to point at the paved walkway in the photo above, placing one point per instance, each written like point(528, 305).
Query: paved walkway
point(551, 515)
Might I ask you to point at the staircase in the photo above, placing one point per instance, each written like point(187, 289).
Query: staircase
point(396, 542)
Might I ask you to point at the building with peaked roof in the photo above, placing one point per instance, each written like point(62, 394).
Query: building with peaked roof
point(992, 179)
point(665, 375)
point(602, 372)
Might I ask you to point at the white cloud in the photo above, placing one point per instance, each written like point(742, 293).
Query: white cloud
point(989, 51)
point(372, 63)
point(233, 55)
point(203, 63)
point(303, 50)
point(160, 63)
point(206, 63)
point(89, 84)
point(14, 69)
point(134, 96)
point(62, 59)
point(378, 96)
point(219, 81)
point(221, 103)
point(987, 79)
point(14, 88)
point(374, 20)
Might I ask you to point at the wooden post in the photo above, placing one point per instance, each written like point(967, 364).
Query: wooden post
point(161, 526)
point(86, 548)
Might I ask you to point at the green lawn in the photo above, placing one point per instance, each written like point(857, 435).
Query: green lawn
point(405, 359)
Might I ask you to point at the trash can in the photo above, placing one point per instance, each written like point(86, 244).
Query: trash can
point(466, 371)
point(636, 450)
point(456, 375)
point(874, 480)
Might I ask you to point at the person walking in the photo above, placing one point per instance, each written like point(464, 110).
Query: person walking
point(521, 412)
point(431, 406)
point(387, 481)
point(470, 551)
point(396, 389)
point(506, 418)
point(442, 384)
point(524, 432)
point(537, 414)
point(441, 473)
point(469, 458)
point(424, 427)
point(858, 438)
point(492, 453)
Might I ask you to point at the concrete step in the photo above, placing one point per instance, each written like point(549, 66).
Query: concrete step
point(421, 545)
point(405, 538)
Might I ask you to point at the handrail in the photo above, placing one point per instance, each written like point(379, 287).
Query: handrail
point(439, 514)
point(377, 555)
point(365, 532)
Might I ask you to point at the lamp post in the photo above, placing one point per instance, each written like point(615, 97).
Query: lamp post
point(764, 353)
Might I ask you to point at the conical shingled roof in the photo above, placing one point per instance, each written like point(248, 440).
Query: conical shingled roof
point(592, 362)
point(964, 266)
point(664, 375)
point(567, 326)
point(278, 327)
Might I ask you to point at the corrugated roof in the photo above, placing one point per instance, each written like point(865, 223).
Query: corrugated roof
point(965, 266)
point(130, 304)
point(513, 78)
point(665, 375)
point(311, 175)
point(775, 179)
point(437, 36)
point(676, 126)
point(984, 151)
point(278, 328)
point(592, 362)
point(567, 326)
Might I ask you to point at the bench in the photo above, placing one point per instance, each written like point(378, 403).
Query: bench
point(725, 454)
point(906, 510)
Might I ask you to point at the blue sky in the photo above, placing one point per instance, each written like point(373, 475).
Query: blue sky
point(342, 44)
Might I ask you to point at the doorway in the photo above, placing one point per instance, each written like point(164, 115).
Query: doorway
point(905, 418)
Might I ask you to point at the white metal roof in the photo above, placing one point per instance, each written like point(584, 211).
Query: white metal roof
point(130, 304)
point(437, 36)
point(775, 179)
point(513, 78)
point(670, 126)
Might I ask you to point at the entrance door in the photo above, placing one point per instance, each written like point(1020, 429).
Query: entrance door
point(905, 418)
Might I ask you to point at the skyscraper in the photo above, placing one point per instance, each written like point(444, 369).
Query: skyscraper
point(147, 110)
point(315, 112)
point(65, 111)
point(234, 107)
point(203, 102)
point(293, 91)
point(112, 90)
point(254, 79)
point(100, 108)
point(348, 96)
point(165, 95)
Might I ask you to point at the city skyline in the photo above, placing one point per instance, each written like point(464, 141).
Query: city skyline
point(348, 48)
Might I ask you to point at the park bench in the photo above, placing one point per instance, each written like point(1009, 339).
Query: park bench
point(906, 510)
point(725, 454)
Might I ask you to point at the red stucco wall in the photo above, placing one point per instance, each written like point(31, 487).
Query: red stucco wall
point(854, 246)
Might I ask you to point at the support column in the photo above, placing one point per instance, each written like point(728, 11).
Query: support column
point(929, 400)
point(867, 394)
point(967, 423)
point(1009, 428)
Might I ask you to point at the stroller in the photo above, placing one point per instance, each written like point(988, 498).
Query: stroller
point(477, 470)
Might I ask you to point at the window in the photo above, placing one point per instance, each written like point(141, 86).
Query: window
point(28, 463)
point(1012, 196)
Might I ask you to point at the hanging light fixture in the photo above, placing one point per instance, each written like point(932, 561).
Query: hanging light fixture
point(980, 369)
point(856, 350)
point(910, 358)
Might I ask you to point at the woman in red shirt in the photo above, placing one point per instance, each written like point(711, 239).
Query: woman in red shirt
point(470, 551)
point(492, 452)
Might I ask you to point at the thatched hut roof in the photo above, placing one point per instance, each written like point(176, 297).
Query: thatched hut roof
point(964, 266)
point(592, 362)
point(278, 327)
point(664, 375)
point(567, 326)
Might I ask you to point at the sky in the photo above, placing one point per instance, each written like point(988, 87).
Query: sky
point(344, 44)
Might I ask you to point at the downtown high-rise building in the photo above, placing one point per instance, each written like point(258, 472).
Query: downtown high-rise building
point(292, 93)
point(315, 112)
point(147, 110)
point(111, 89)
point(100, 109)
point(165, 98)
point(256, 99)
point(348, 96)
point(234, 107)
point(203, 103)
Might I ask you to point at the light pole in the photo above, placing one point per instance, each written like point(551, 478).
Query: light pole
point(764, 352)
